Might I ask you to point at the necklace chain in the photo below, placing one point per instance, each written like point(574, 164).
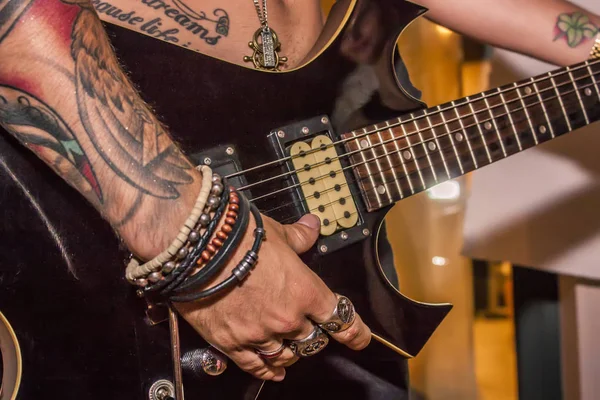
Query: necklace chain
point(262, 14)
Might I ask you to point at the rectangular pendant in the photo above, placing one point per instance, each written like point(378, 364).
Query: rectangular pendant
point(268, 48)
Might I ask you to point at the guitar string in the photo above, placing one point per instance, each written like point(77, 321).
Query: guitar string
point(423, 158)
point(413, 145)
point(484, 95)
point(417, 170)
point(402, 149)
point(393, 138)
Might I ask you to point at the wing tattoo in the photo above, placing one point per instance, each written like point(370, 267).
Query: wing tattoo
point(121, 126)
point(40, 128)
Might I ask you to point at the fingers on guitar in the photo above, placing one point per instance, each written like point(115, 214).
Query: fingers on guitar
point(256, 366)
point(357, 336)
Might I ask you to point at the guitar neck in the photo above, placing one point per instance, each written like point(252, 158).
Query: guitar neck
point(401, 157)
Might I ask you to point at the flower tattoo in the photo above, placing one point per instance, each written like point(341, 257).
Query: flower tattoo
point(575, 28)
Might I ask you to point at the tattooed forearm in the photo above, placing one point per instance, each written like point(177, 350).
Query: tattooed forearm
point(42, 130)
point(91, 127)
point(575, 28)
point(208, 28)
point(10, 11)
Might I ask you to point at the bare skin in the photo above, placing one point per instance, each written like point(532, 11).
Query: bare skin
point(63, 95)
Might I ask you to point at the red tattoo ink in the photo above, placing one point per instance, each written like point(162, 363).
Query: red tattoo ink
point(21, 84)
point(55, 15)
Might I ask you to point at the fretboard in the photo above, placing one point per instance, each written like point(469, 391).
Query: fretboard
point(401, 157)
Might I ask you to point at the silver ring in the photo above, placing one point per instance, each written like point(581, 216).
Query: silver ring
point(310, 345)
point(342, 317)
point(271, 354)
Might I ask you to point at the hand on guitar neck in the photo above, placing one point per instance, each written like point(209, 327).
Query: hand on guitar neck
point(76, 110)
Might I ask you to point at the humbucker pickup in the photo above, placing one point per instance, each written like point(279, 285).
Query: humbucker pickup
point(324, 184)
point(321, 180)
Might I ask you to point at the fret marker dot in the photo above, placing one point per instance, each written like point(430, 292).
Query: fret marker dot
point(407, 155)
point(588, 92)
point(459, 137)
point(364, 143)
point(380, 189)
point(488, 125)
point(431, 146)
point(543, 129)
point(527, 90)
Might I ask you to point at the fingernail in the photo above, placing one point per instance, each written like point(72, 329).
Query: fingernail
point(311, 221)
point(279, 378)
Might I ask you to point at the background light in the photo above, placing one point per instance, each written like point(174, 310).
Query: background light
point(439, 261)
point(445, 191)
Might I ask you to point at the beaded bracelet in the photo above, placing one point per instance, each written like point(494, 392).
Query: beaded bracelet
point(180, 270)
point(239, 273)
point(228, 242)
point(163, 264)
point(194, 261)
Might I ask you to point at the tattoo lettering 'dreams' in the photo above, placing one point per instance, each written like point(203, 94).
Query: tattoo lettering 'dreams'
point(575, 28)
point(209, 29)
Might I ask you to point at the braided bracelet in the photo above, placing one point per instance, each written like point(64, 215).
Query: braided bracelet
point(180, 271)
point(196, 259)
point(136, 271)
point(240, 272)
point(229, 243)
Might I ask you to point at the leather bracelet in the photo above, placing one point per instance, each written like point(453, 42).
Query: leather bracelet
point(181, 272)
point(223, 255)
point(595, 52)
point(239, 273)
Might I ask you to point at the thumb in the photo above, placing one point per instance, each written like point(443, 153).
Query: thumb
point(303, 234)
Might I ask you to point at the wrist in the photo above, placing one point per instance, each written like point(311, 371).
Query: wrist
point(158, 221)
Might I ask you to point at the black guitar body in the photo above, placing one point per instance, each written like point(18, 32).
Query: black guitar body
point(81, 328)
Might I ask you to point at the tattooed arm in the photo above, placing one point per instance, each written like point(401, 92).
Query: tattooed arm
point(552, 30)
point(63, 95)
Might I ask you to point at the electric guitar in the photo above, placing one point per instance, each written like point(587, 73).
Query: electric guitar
point(72, 327)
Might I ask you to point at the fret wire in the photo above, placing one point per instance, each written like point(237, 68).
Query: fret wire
point(493, 118)
point(466, 134)
point(523, 83)
point(412, 151)
point(389, 160)
point(487, 150)
point(362, 154)
point(377, 162)
point(535, 138)
point(514, 129)
point(593, 80)
point(462, 171)
point(418, 130)
point(539, 96)
point(417, 172)
point(437, 143)
point(358, 164)
point(399, 152)
point(538, 78)
point(587, 120)
point(560, 100)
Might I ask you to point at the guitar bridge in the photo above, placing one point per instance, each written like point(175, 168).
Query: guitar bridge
point(321, 181)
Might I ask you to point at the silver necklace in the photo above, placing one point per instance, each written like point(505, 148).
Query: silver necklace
point(265, 43)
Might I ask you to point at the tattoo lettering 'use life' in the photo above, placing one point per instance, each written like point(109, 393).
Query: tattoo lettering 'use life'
point(210, 28)
point(575, 28)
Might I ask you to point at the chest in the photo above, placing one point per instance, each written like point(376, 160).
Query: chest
point(220, 29)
